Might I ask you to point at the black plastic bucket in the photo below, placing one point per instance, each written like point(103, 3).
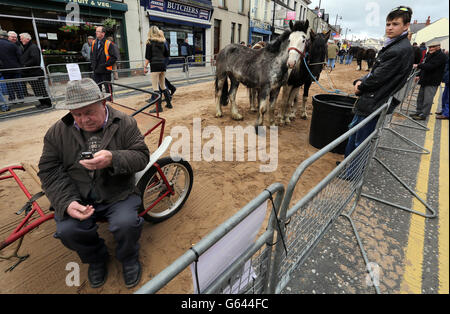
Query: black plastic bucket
point(330, 119)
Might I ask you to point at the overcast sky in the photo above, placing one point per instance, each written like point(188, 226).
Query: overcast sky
point(367, 18)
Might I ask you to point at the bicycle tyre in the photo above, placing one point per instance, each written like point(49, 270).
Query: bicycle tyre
point(152, 180)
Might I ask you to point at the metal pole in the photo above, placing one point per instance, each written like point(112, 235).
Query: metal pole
point(273, 21)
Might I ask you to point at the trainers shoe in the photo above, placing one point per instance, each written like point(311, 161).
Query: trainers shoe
point(441, 117)
point(132, 272)
point(419, 117)
point(97, 274)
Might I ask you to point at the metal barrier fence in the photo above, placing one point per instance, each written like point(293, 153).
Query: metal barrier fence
point(249, 272)
point(302, 225)
point(21, 86)
point(307, 221)
point(18, 93)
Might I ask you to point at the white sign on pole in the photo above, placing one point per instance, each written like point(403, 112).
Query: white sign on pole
point(74, 71)
point(222, 254)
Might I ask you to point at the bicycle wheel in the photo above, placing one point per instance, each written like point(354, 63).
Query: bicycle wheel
point(180, 177)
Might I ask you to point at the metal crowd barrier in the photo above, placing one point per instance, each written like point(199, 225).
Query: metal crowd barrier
point(301, 225)
point(249, 272)
point(307, 221)
point(21, 92)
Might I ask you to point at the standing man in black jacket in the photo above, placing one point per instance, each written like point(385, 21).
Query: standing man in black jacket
point(389, 73)
point(103, 57)
point(31, 57)
point(431, 73)
point(10, 59)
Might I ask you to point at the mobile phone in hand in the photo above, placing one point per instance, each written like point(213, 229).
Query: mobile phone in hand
point(87, 155)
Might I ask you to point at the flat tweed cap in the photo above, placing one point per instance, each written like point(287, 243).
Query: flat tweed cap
point(434, 43)
point(81, 93)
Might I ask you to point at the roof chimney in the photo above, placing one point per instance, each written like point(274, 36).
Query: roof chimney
point(428, 22)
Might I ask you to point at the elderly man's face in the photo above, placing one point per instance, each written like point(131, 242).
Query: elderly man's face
point(90, 118)
point(433, 49)
point(99, 33)
point(24, 40)
point(12, 38)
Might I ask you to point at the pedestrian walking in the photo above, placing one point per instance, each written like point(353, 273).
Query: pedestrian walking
point(430, 77)
point(169, 85)
point(156, 52)
point(10, 59)
point(332, 53)
point(117, 52)
point(444, 114)
point(32, 58)
point(186, 51)
point(103, 57)
point(87, 47)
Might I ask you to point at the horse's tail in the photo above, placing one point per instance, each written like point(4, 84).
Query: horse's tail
point(225, 93)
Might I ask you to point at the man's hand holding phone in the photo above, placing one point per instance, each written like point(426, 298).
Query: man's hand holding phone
point(99, 160)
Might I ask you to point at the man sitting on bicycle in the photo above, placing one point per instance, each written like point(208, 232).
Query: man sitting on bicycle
point(87, 171)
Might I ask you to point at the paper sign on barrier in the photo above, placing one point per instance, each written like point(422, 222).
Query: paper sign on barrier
point(74, 71)
point(222, 254)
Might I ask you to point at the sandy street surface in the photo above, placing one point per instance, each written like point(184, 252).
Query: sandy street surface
point(220, 189)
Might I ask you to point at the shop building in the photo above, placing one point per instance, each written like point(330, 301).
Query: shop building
point(47, 22)
point(231, 23)
point(179, 20)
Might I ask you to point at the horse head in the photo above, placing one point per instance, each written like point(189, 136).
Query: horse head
point(317, 51)
point(297, 42)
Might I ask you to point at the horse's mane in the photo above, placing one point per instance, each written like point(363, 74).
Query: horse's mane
point(299, 26)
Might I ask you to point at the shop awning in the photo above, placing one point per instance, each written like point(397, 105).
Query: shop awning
point(186, 22)
point(260, 31)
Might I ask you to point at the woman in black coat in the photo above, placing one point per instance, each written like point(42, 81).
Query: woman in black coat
point(156, 53)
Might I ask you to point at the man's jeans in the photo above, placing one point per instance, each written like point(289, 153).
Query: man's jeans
point(124, 223)
point(445, 95)
point(331, 63)
point(349, 59)
point(355, 169)
point(425, 100)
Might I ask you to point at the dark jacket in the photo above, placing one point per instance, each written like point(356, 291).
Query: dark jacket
point(98, 57)
point(65, 180)
point(388, 75)
point(186, 49)
point(417, 55)
point(9, 56)
point(31, 58)
point(432, 69)
point(445, 78)
point(156, 52)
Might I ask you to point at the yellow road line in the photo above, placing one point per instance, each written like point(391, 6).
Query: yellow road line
point(412, 277)
point(443, 211)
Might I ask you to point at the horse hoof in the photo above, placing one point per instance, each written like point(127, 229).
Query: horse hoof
point(288, 121)
point(219, 115)
point(305, 117)
point(253, 110)
point(237, 117)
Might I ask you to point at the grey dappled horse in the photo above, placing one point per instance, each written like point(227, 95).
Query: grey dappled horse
point(264, 69)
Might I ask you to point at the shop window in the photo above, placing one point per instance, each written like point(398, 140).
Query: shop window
point(217, 24)
point(241, 6)
point(233, 31)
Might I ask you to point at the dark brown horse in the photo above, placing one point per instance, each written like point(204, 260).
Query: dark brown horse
point(302, 76)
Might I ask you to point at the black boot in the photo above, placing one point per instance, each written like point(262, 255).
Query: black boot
point(158, 104)
point(167, 98)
